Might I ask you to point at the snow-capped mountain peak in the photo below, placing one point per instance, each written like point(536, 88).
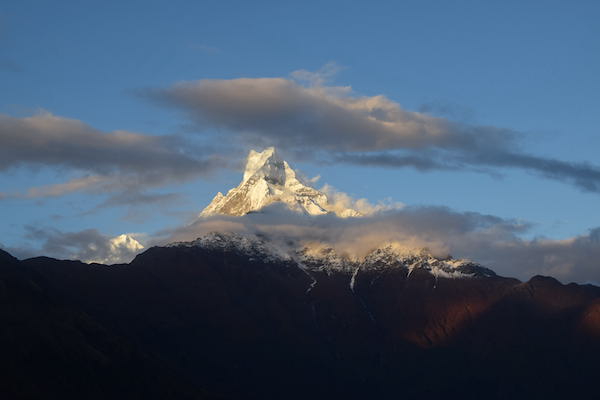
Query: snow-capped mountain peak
point(267, 164)
point(268, 179)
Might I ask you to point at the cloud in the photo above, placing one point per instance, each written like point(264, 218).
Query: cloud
point(108, 161)
point(61, 189)
point(134, 197)
point(426, 161)
point(320, 77)
point(336, 123)
point(492, 241)
point(583, 175)
point(286, 114)
point(338, 202)
point(139, 206)
point(446, 109)
point(88, 246)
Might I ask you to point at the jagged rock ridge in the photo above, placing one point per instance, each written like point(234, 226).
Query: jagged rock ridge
point(386, 256)
point(269, 179)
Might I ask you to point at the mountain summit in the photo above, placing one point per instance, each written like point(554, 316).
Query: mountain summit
point(269, 179)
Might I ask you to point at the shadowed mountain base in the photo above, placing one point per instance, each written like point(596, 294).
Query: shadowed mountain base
point(180, 322)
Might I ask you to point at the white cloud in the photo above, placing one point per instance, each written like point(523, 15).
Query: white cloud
point(339, 201)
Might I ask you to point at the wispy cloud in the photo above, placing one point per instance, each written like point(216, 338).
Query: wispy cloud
point(60, 189)
point(317, 78)
point(336, 123)
point(117, 161)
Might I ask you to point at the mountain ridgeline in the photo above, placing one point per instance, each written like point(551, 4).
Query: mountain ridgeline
point(231, 316)
point(243, 316)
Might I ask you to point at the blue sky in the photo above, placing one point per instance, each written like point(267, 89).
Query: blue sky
point(529, 67)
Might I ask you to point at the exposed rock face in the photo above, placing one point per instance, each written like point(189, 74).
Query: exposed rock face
point(236, 315)
point(268, 179)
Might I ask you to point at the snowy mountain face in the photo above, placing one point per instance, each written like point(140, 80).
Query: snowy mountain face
point(269, 179)
point(326, 259)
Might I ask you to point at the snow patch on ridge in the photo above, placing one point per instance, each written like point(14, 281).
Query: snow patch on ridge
point(250, 245)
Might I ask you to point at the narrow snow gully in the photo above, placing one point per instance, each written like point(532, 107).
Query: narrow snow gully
point(304, 269)
point(353, 279)
point(362, 302)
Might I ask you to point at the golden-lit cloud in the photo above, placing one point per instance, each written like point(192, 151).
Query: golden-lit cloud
point(304, 115)
point(494, 242)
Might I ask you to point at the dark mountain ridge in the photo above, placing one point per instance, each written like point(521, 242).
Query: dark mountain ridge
point(229, 318)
